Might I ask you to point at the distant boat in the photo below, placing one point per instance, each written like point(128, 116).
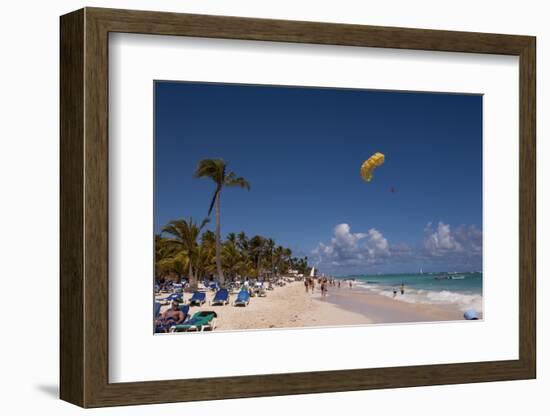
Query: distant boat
point(442, 277)
point(457, 277)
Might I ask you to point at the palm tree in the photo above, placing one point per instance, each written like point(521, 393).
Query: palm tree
point(231, 259)
point(208, 239)
point(232, 239)
point(270, 248)
point(178, 264)
point(184, 236)
point(169, 259)
point(216, 169)
point(278, 253)
point(203, 262)
point(257, 249)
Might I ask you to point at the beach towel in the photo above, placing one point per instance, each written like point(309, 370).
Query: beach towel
point(200, 321)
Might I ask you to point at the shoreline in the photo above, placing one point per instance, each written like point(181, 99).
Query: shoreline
point(291, 307)
point(382, 309)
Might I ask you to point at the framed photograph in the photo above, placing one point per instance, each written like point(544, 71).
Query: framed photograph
point(264, 207)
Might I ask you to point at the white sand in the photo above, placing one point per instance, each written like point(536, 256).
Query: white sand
point(290, 306)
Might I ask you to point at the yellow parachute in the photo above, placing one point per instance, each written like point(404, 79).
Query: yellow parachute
point(368, 166)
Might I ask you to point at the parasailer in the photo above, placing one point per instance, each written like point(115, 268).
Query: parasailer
point(369, 165)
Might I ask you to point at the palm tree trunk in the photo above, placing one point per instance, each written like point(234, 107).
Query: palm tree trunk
point(218, 241)
point(192, 280)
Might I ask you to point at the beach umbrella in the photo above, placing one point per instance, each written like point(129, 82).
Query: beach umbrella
point(471, 315)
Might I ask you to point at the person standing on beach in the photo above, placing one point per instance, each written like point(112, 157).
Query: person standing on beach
point(402, 288)
point(306, 284)
point(350, 284)
point(324, 287)
point(338, 284)
point(312, 281)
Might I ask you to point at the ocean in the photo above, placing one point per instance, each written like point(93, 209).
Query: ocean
point(462, 290)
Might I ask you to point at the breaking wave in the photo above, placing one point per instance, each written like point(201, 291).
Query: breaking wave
point(464, 301)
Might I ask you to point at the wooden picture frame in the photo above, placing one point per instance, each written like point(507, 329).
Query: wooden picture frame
point(84, 207)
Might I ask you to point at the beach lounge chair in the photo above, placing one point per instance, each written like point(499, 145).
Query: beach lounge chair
point(221, 297)
point(243, 298)
point(185, 310)
point(173, 296)
point(197, 299)
point(201, 321)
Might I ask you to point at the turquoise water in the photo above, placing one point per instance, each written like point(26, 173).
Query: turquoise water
point(463, 290)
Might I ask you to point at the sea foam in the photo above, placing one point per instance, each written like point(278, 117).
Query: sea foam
point(464, 301)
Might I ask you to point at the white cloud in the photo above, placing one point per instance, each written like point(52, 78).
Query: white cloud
point(378, 245)
point(441, 241)
point(347, 248)
point(462, 242)
point(442, 248)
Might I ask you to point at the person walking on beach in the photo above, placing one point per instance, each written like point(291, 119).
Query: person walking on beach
point(338, 284)
point(306, 284)
point(350, 284)
point(312, 285)
point(402, 288)
point(324, 287)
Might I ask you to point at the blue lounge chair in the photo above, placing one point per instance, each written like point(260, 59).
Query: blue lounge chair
point(221, 297)
point(173, 296)
point(197, 299)
point(243, 298)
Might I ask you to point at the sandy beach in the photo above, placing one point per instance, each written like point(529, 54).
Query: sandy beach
point(290, 306)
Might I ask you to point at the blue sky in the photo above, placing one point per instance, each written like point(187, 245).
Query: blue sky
point(301, 150)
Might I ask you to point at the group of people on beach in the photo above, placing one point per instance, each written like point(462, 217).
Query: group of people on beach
point(324, 283)
point(309, 284)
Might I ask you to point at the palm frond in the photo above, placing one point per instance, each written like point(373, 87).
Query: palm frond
point(233, 180)
point(211, 168)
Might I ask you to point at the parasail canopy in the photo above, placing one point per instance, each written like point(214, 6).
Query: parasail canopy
point(369, 165)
